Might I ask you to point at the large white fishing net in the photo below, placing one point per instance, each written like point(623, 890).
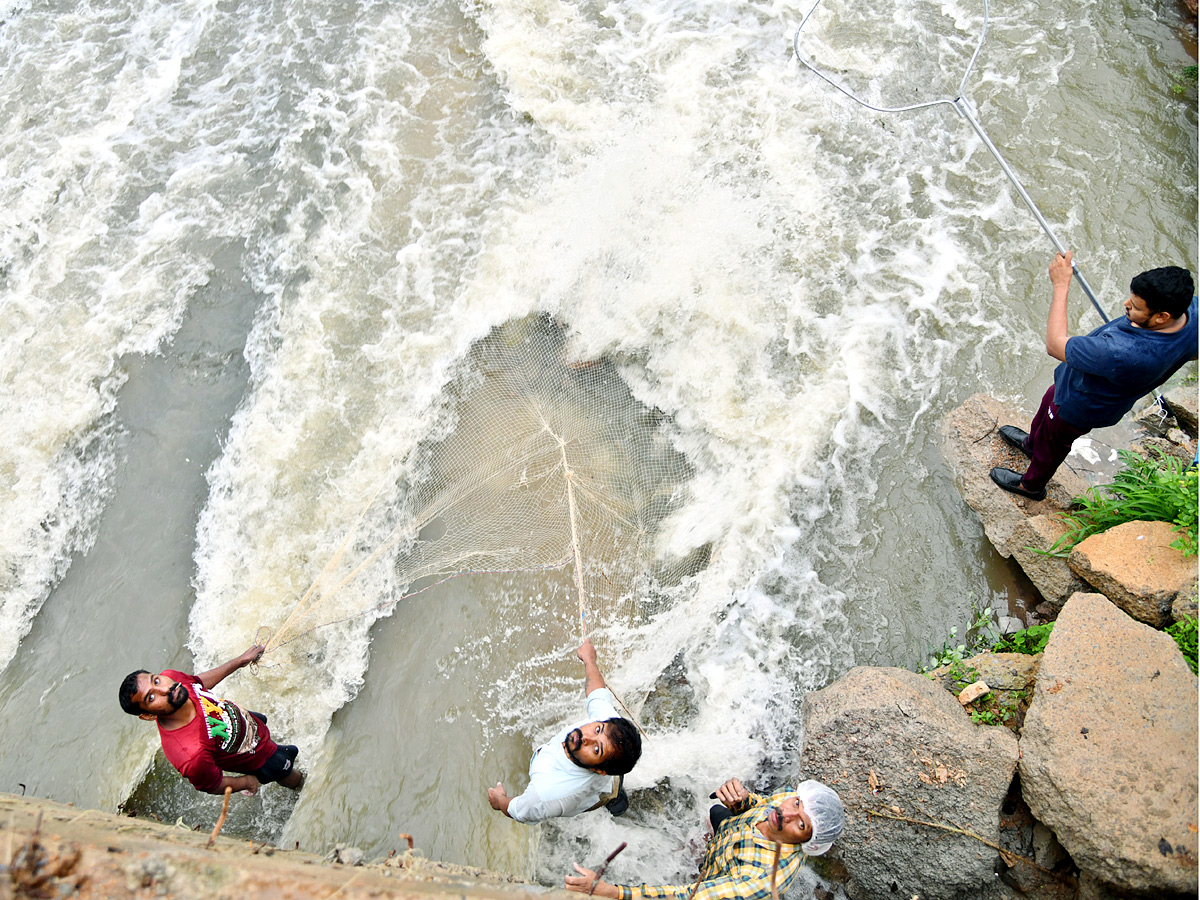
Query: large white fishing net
point(536, 460)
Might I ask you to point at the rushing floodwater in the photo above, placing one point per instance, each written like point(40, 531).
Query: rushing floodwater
point(245, 248)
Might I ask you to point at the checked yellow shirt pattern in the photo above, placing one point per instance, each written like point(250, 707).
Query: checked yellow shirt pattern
point(737, 863)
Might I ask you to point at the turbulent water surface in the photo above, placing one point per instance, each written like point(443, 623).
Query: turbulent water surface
point(246, 249)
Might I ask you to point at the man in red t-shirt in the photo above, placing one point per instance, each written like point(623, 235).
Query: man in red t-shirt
point(204, 736)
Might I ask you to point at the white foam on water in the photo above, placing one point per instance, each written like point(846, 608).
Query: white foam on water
point(399, 169)
point(86, 276)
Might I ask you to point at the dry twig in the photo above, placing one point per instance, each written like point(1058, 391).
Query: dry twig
point(1006, 854)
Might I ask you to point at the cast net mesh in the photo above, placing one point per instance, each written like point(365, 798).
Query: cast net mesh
point(536, 460)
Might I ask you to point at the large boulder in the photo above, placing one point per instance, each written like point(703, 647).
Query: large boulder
point(972, 446)
point(1184, 401)
point(896, 744)
point(1108, 750)
point(1135, 566)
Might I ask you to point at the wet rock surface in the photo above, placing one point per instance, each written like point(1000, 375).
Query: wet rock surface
point(972, 446)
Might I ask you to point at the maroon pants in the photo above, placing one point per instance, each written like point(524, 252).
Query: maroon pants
point(1049, 442)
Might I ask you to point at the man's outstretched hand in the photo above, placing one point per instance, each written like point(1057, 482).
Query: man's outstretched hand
point(582, 884)
point(252, 654)
point(498, 798)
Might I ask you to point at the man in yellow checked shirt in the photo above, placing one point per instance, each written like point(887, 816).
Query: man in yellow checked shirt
point(741, 854)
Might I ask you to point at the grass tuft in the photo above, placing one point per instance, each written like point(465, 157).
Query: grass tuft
point(1184, 633)
point(1154, 488)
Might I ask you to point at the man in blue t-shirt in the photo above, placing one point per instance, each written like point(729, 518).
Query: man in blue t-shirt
point(1104, 373)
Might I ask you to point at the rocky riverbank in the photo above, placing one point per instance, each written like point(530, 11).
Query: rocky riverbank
point(56, 851)
point(1091, 792)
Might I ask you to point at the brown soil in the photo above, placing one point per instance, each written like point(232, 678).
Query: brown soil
point(48, 850)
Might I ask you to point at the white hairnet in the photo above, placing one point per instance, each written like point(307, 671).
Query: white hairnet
point(824, 809)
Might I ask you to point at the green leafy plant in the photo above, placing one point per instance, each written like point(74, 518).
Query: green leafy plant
point(1156, 488)
point(986, 717)
point(1184, 80)
point(1184, 633)
point(1029, 641)
point(948, 653)
point(980, 635)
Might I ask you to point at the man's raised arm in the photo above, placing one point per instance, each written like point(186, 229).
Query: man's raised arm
point(1057, 331)
point(213, 677)
point(593, 680)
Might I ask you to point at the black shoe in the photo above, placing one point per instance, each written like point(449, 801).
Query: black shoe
point(1015, 437)
point(1011, 482)
point(618, 804)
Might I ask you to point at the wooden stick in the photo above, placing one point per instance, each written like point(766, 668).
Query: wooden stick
point(220, 819)
point(604, 865)
point(963, 831)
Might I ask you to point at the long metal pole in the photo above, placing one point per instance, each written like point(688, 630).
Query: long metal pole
point(964, 110)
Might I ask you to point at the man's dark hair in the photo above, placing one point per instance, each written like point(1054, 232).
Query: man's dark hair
point(128, 689)
point(626, 745)
point(1169, 289)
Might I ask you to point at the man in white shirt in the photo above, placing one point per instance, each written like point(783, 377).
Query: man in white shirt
point(582, 768)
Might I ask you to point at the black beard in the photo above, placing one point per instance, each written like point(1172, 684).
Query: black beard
point(571, 753)
point(176, 705)
point(773, 820)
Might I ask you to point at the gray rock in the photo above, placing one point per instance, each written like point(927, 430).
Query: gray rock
point(1135, 566)
point(1051, 876)
point(1184, 607)
point(1176, 444)
point(346, 855)
point(895, 743)
point(1183, 401)
point(1051, 575)
point(972, 447)
point(1006, 671)
point(1108, 750)
point(1010, 625)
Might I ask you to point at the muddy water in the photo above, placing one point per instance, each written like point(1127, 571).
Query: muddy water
point(244, 250)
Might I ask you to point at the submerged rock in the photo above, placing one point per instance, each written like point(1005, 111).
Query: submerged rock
point(1108, 751)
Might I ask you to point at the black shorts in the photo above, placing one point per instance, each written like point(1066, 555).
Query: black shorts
point(279, 765)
